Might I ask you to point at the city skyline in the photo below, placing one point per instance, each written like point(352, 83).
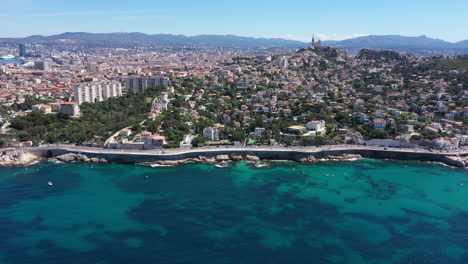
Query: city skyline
point(296, 19)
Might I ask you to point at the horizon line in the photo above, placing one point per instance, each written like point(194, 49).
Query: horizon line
point(228, 34)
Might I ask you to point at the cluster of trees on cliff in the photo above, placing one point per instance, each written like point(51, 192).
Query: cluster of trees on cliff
point(458, 63)
point(380, 55)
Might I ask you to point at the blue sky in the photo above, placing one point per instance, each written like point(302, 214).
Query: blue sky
point(294, 19)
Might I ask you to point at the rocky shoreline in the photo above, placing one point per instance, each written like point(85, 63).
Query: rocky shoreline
point(75, 157)
point(24, 159)
point(345, 157)
point(457, 161)
point(17, 159)
point(221, 159)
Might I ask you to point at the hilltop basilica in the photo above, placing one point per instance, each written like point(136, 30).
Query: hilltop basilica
point(315, 44)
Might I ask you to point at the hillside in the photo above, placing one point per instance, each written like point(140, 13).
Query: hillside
point(392, 42)
point(379, 55)
point(458, 64)
point(421, 45)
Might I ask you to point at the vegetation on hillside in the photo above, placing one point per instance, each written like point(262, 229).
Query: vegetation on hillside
point(379, 55)
point(459, 64)
point(4, 111)
point(98, 121)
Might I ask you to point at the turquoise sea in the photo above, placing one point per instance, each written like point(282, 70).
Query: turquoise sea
point(4, 60)
point(369, 211)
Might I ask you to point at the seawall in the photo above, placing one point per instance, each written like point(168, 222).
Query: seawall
point(264, 154)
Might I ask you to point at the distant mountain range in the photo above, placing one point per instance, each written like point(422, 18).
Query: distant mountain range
point(116, 39)
point(398, 43)
point(393, 42)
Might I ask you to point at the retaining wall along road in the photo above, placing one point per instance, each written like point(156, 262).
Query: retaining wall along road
point(265, 154)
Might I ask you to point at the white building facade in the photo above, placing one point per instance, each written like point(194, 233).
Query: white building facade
point(96, 91)
point(317, 126)
point(141, 84)
point(211, 133)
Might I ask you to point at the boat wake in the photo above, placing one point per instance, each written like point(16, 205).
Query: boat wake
point(159, 166)
point(33, 163)
point(261, 165)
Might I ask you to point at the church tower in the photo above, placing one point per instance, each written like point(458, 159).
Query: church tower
point(313, 42)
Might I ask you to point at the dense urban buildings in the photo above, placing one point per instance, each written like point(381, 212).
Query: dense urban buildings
point(211, 96)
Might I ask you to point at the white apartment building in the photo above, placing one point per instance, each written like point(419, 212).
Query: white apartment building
point(142, 83)
point(112, 89)
point(96, 91)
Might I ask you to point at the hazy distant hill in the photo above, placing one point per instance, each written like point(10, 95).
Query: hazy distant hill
point(462, 44)
point(392, 42)
point(227, 41)
point(397, 42)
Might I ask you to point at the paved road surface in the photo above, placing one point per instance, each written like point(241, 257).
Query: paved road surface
point(5, 129)
point(251, 148)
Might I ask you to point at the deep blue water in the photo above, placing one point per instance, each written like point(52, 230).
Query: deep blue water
point(352, 212)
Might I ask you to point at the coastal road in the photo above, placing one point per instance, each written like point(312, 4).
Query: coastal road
point(5, 129)
point(227, 149)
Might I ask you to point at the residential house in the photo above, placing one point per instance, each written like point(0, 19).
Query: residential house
point(379, 124)
point(317, 126)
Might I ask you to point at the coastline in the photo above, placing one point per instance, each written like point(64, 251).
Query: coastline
point(216, 155)
point(18, 159)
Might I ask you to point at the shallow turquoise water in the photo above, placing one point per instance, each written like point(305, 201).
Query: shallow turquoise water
point(367, 211)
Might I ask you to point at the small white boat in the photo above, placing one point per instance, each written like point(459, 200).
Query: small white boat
point(50, 183)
